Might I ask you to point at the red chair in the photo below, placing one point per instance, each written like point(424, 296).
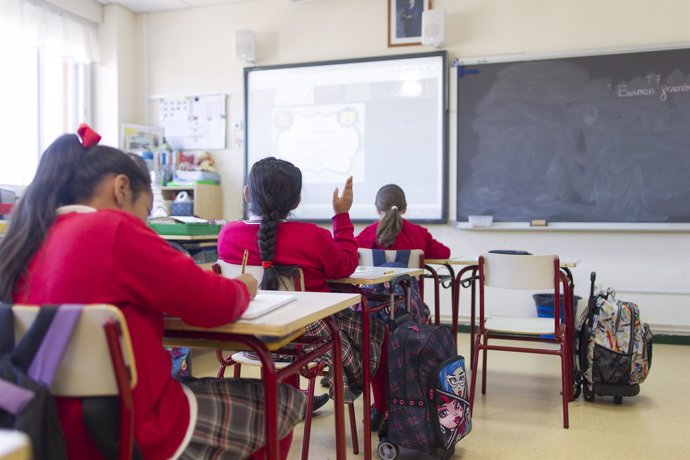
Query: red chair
point(509, 272)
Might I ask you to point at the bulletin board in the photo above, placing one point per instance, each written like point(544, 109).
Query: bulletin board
point(194, 122)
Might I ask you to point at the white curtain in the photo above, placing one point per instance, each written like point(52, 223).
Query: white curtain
point(45, 55)
point(44, 26)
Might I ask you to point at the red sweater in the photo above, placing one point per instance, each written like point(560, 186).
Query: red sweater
point(112, 257)
point(321, 256)
point(412, 236)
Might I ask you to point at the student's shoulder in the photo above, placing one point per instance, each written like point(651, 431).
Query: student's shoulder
point(299, 226)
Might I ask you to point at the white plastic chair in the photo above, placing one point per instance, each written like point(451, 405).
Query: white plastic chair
point(518, 273)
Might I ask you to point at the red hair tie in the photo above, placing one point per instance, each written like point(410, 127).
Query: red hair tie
point(89, 137)
point(266, 263)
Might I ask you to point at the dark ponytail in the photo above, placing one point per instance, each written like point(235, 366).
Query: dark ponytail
point(274, 190)
point(390, 201)
point(67, 174)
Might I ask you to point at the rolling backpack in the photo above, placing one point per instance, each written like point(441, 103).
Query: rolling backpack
point(613, 347)
point(428, 404)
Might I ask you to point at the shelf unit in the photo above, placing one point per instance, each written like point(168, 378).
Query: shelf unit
point(207, 198)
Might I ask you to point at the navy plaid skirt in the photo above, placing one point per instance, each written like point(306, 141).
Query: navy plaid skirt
point(351, 329)
point(230, 419)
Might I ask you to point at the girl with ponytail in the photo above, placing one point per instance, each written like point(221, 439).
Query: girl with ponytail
point(394, 232)
point(79, 235)
point(273, 190)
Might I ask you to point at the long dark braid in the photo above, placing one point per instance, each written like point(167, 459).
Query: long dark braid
point(274, 190)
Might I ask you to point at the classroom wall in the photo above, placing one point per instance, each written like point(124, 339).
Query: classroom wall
point(191, 52)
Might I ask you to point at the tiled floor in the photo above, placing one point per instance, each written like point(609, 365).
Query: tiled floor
point(521, 418)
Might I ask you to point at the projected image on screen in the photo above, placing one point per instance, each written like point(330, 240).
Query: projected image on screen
point(325, 141)
point(380, 120)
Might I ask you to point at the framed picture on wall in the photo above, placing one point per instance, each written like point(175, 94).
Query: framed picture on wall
point(405, 21)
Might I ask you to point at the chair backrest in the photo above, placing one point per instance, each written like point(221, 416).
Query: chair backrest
point(523, 272)
point(86, 369)
point(366, 257)
point(287, 283)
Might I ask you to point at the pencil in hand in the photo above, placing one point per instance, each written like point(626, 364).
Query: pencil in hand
point(245, 256)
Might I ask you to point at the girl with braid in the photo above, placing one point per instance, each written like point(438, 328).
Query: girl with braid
point(273, 190)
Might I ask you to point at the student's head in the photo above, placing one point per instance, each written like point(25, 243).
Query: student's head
point(273, 190)
point(69, 173)
point(391, 205)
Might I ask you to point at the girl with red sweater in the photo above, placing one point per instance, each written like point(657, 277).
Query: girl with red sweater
point(394, 232)
point(273, 190)
point(79, 235)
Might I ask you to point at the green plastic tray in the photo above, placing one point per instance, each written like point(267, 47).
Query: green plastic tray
point(185, 229)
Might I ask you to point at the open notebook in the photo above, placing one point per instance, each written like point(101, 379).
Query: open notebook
point(264, 303)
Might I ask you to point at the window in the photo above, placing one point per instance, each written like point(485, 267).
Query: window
point(45, 85)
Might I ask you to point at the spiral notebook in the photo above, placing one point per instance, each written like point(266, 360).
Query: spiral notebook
point(265, 303)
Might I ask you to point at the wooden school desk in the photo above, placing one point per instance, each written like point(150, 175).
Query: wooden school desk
point(370, 276)
point(284, 324)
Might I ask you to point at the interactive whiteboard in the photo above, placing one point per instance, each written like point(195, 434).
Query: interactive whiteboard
point(381, 120)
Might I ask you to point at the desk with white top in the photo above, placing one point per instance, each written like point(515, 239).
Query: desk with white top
point(284, 324)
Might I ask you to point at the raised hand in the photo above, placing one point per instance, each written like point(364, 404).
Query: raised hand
point(343, 203)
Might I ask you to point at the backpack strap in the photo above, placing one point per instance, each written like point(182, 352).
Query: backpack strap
point(14, 398)
point(6, 329)
point(40, 351)
point(379, 257)
point(49, 355)
point(24, 352)
point(403, 257)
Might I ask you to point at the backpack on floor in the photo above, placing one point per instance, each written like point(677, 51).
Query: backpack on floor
point(428, 404)
point(614, 348)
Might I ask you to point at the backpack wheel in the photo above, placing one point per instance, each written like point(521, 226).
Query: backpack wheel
point(388, 450)
point(618, 399)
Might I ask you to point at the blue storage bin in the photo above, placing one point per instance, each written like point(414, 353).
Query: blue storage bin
point(544, 303)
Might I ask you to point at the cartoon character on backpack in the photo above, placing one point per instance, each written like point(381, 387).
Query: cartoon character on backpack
point(454, 379)
point(452, 407)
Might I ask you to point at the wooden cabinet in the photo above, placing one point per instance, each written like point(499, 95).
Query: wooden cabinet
point(207, 199)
